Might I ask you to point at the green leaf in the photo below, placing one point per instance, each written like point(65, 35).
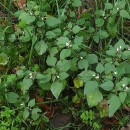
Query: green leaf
point(83, 64)
point(119, 44)
point(78, 83)
point(27, 18)
point(124, 14)
point(53, 51)
point(92, 58)
point(78, 40)
point(41, 47)
point(62, 41)
point(109, 67)
point(76, 29)
point(44, 86)
point(108, 5)
point(35, 113)
point(126, 55)
point(90, 86)
point(50, 35)
point(31, 103)
point(99, 22)
point(26, 84)
point(3, 59)
point(111, 52)
point(65, 53)
point(64, 65)
point(108, 85)
point(112, 26)
point(63, 75)
point(100, 68)
point(12, 97)
point(114, 105)
point(26, 114)
point(103, 34)
point(86, 75)
point(122, 96)
point(77, 3)
point(52, 21)
point(56, 88)
point(51, 61)
point(94, 96)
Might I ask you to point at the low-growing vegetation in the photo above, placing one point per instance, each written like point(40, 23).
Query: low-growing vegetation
point(65, 65)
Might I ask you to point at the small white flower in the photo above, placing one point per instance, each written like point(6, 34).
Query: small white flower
point(42, 18)
point(129, 48)
point(117, 49)
point(30, 73)
point(115, 72)
point(22, 32)
point(31, 77)
point(126, 88)
point(93, 75)
point(120, 47)
point(70, 45)
point(21, 104)
point(81, 58)
point(97, 77)
point(123, 85)
point(117, 9)
point(103, 14)
point(31, 13)
point(105, 17)
point(58, 76)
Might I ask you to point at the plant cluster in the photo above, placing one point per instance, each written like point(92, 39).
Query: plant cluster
point(65, 50)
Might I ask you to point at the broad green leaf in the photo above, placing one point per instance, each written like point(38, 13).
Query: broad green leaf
point(44, 86)
point(109, 67)
point(108, 5)
point(83, 64)
point(3, 59)
point(41, 47)
point(99, 22)
point(114, 105)
point(64, 65)
point(78, 83)
point(78, 40)
point(65, 53)
point(25, 113)
point(50, 35)
point(122, 96)
point(111, 52)
point(112, 26)
point(63, 75)
point(12, 97)
point(26, 84)
point(124, 14)
point(103, 34)
point(76, 29)
point(27, 18)
point(52, 21)
point(31, 103)
point(77, 3)
point(92, 58)
point(94, 96)
point(100, 68)
point(56, 88)
point(90, 86)
point(126, 55)
point(86, 75)
point(108, 85)
point(35, 113)
point(120, 44)
point(62, 41)
point(51, 61)
point(53, 51)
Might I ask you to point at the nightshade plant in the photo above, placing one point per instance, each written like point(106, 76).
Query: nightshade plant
point(85, 52)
